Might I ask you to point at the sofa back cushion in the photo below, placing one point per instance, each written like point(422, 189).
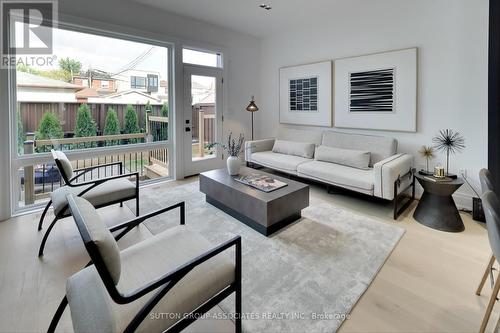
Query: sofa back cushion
point(379, 147)
point(349, 157)
point(295, 148)
point(298, 135)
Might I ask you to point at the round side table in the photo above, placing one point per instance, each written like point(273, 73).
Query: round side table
point(436, 208)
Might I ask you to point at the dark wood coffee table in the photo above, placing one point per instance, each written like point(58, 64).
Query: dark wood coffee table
point(264, 212)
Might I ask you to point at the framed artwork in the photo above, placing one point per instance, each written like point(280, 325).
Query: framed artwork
point(306, 94)
point(377, 91)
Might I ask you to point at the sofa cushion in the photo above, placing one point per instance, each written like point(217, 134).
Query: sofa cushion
point(348, 157)
point(380, 147)
point(109, 191)
point(287, 163)
point(337, 174)
point(291, 134)
point(301, 149)
point(93, 310)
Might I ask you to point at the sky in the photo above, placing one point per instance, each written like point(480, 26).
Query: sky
point(113, 55)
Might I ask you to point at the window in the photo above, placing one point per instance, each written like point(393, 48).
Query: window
point(138, 82)
point(152, 83)
point(55, 110)
point(202, 58)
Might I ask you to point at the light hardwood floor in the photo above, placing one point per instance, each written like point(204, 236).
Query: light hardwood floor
point(426, 285)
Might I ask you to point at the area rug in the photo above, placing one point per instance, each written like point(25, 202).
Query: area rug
point(304, 278)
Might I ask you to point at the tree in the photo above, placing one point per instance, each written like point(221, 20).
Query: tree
point(55, 74)
point(85, 126)
point(131, 123)
point(164, 110)
point(71, 66)
point(164, 126)
point(111, 126)
point(21, 136)
point(49, 128)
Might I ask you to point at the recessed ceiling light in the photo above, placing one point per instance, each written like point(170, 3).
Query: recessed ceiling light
point(265, 6)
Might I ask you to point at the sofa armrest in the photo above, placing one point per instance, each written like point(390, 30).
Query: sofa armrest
point(387, 171)
point(256, 146)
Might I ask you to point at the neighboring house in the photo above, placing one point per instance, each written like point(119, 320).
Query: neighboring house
point(35, 88)
point(148, 82)
point(101, 81)
point(133, 97)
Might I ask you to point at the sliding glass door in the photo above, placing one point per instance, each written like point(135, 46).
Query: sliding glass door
point(103, 98)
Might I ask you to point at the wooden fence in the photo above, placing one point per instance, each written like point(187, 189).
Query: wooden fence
point(32, 113)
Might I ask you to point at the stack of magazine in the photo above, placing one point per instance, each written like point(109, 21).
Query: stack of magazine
point(260, 182)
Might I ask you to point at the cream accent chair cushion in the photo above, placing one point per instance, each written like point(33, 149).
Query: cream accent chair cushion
point(67, 168)
point(102, 238)
point(93, 310)
point(109, 191)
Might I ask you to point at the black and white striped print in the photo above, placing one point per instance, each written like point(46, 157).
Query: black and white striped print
point(372, 91)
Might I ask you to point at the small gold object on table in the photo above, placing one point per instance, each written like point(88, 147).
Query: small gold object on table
point(439, 172)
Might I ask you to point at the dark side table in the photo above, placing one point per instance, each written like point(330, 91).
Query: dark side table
point(436, 208)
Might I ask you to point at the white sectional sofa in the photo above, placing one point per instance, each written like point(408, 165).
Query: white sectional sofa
point(362, 163)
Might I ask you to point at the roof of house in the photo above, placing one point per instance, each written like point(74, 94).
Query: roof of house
point(87, 92)
point(31, 80)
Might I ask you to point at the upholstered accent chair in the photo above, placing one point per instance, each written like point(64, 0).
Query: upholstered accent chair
point(163, 283)
point(491, 206)
point(486, 180)
point(101, 192)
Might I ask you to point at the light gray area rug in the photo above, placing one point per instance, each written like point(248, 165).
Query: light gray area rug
point(304, 278)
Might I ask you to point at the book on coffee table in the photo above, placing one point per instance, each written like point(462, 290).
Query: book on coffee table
point(260, 182)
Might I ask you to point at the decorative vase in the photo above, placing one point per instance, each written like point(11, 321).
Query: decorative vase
point(233, 165)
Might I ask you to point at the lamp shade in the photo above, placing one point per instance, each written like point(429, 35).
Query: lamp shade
point(252, 107)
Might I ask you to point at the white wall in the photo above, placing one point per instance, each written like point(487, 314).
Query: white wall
point(452, 37)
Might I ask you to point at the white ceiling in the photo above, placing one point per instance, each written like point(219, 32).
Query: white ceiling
point(246, 15)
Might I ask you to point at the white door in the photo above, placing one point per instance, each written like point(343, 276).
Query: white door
point(202, 119)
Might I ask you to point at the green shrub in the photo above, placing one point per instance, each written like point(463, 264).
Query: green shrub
point(21, 136)
point(85, 126)
point(164, 128)
point(164, 110)
point(49, 128)
point(131, 123)
point(111, 126)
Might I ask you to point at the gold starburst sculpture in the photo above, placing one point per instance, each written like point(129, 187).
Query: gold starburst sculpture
point(427, 152)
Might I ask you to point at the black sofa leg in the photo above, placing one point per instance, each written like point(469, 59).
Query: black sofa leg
point(43, 215)
point(397, 197)
point(44, 240)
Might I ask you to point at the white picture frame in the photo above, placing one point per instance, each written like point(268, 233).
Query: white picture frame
point(377, 91)
point(311, 85)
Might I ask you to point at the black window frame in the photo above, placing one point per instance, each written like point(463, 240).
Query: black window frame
point(135, 85)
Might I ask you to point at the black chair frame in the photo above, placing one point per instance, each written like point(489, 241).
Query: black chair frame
point(93, 183)
point(163, 284)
